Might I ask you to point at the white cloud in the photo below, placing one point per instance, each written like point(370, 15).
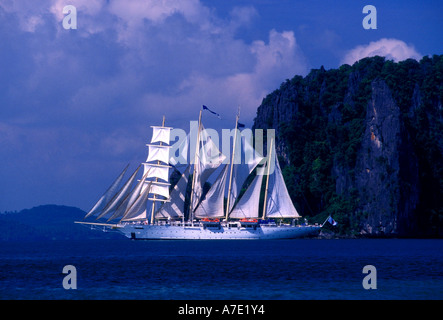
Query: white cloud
point(242, 16)
point(392, 49)
point(155, 11)
point(29, 13)
point(133, 16)
point(98, 88)
point(169, 50)
point(272, 63)
point(88, 7)
point(281, 58)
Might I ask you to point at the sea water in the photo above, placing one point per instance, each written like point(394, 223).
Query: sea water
point(223, 270)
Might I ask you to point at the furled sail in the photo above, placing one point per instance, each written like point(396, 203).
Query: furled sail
point(212, 205)
point(248, 205)
point(120, 196)
point(279, 203)
point(101, 203)
point(174, 209)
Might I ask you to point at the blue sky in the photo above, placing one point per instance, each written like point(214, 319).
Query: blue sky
point(76, 105)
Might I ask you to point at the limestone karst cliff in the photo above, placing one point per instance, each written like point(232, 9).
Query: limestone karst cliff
point(365, 144)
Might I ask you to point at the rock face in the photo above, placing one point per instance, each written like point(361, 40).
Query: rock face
point(365, 144)
point(386, 158)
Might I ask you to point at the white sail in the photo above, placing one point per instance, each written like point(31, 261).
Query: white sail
point(175, 208)
point(156, 171)
point(158, 153)
point(242, 169)
point(160, 134)
point(248, 205)
point(212, 205)
point(159, 188)
point(137, 211)
point(239, 174)
point(279, 203)
point(208, 160)
point(101, 203)
point(120, 196)
point(141, 216)
point(130, 199)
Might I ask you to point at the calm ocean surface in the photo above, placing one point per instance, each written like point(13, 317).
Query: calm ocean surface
point(200, 270)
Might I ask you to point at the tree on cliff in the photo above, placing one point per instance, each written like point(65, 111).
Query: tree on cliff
point(365, 144)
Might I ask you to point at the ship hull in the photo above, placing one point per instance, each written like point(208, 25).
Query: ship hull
point(172, 232)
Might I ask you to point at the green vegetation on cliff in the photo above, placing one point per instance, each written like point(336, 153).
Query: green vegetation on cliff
point(362, 138)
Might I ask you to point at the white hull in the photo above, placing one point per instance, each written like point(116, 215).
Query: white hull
point(221, 232)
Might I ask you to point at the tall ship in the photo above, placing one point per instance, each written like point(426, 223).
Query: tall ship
point(247, 200)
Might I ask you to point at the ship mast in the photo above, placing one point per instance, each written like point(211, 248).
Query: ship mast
point(267, 180)
point(232, 164)
point(156, 180)
point(197, 150)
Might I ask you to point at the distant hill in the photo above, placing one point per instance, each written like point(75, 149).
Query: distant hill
point(47, 222)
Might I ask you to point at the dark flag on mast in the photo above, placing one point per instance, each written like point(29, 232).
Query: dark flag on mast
point(206, 108)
